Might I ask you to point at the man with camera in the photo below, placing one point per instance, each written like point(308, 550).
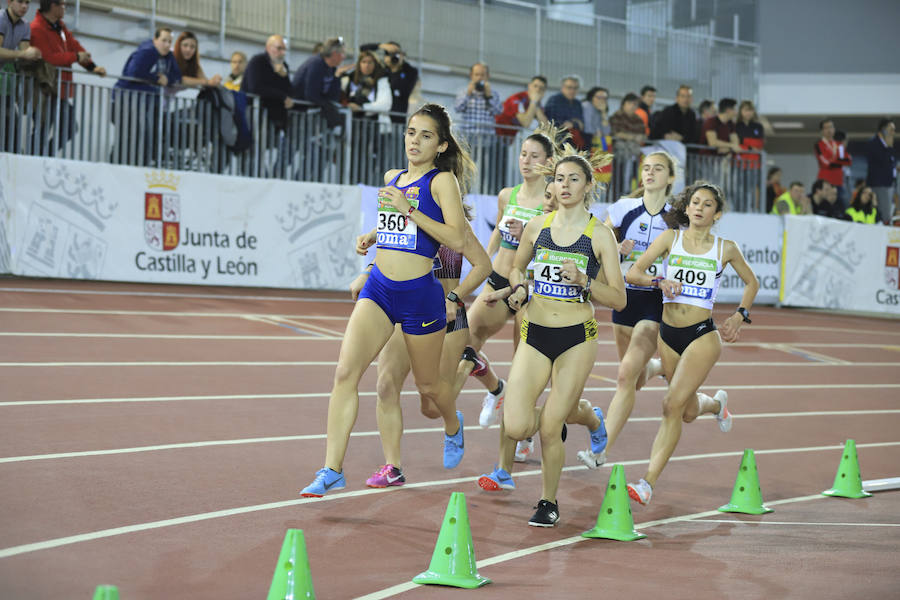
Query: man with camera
point(477, 105)
point(401, 75)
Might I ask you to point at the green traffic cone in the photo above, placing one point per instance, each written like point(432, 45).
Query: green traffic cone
point(106, 592)
point(292, 578)
point(615, 521)
point(848, 482)
point(453, 561)
point(747, 495)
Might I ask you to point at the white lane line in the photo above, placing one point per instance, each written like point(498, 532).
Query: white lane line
point(237, 363)
point(63, 541)
point(407, 586)
point(788, 386)
point(735, 522)
point(173, 295)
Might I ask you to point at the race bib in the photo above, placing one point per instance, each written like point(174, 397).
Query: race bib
point(394, 230)
point(696, 274)
point(548, 280)
point(654, 270)
point(517, 213)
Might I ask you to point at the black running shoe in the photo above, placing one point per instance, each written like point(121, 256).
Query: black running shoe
point(546, 515)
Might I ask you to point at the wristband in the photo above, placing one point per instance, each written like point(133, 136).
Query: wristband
point(745, 314)
point(453, 297)
point(411, 210)
point(516, 288)
point(655, 282)
point(586, 291)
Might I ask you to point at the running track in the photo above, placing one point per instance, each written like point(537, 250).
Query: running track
point(155, 438)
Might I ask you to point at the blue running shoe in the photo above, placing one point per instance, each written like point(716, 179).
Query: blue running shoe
point(598, 437)
point(326, 481)
point(454, 446)
point(499, 479)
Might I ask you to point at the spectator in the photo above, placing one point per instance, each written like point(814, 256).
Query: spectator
point(596, 118)
point(677, 121)
point(401, 75)
point(628, 135)
point(315, 81)
point(718, 131)
point(882, 167)
point(864, 207)
point(188, 59)
point(15, 36)
point(832, 157)
point(707, 109)
point(238, 66)
point(59, 47)
point(267, 77)
point(523, 109)
point(365, 88)
point(793, 202)
point(774, 189)
point(153, 64)
point(478, 105)
point(750, 134)
point(645, 107)
point(824, 200)
point(565, 110)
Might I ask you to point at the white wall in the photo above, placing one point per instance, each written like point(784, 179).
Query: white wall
point(829, 93)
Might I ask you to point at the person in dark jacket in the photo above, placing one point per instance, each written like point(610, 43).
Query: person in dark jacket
point(266, 76)
point(315, 81)
point(677, 121)
point(882, 167)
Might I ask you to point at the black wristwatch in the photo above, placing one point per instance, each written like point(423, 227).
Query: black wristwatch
point(452, 297)
point(745, 314)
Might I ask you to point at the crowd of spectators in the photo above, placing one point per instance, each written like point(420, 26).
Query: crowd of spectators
point(379, 84)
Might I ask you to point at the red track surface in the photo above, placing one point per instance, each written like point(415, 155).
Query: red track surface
point(186, 490)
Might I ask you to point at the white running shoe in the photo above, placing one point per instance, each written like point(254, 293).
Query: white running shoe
point(640, 492)
point(491, 407)
point(653, 369)
point(591, 460)
point(723, 417)
point(524, 450)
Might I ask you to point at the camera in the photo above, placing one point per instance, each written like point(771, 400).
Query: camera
point(393, 58)
point(479, 86)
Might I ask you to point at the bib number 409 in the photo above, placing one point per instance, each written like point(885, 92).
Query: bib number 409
point(690, 277)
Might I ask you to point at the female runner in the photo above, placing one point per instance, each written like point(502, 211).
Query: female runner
point(689, 345)
point(636, 220)
point(419, 208)
point(559, 334)
point(515, 207)
point(393, 361)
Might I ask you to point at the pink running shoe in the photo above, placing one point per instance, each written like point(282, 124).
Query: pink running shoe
point(386, 476)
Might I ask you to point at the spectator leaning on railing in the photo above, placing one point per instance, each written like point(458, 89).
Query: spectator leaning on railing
point(238, 66)
point(401, 75)
point(882, 167)
point(824, 200)
point(59, 47)
point(477, 104)
point(15, 36)
point(596, 118)
point(645, 107)
point(267, 77)
point(523, 109)
point(832, 157)
point(718, 131)
point(793, 202)
point(628, 134)
point(564, 109)
point(677, 122)
point(187, 55)
point(316, 81)
point(365, 88)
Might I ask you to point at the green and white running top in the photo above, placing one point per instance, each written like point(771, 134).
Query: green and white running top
point(522, 214)
point(699, 274)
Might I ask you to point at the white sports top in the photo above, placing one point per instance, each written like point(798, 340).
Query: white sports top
point(630, 217)
point(699, 274)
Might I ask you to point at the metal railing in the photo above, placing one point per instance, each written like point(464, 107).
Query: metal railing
point(516, 38)
point(169, 129)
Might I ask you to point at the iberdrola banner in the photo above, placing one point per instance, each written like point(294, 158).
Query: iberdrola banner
point(841, 265)
point(79, 220)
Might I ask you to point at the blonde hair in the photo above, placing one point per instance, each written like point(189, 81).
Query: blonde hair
point(591, 163)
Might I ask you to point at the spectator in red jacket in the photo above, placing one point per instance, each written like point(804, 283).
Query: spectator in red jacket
point(523, 109)
point(59, 47)
point(832, 158)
